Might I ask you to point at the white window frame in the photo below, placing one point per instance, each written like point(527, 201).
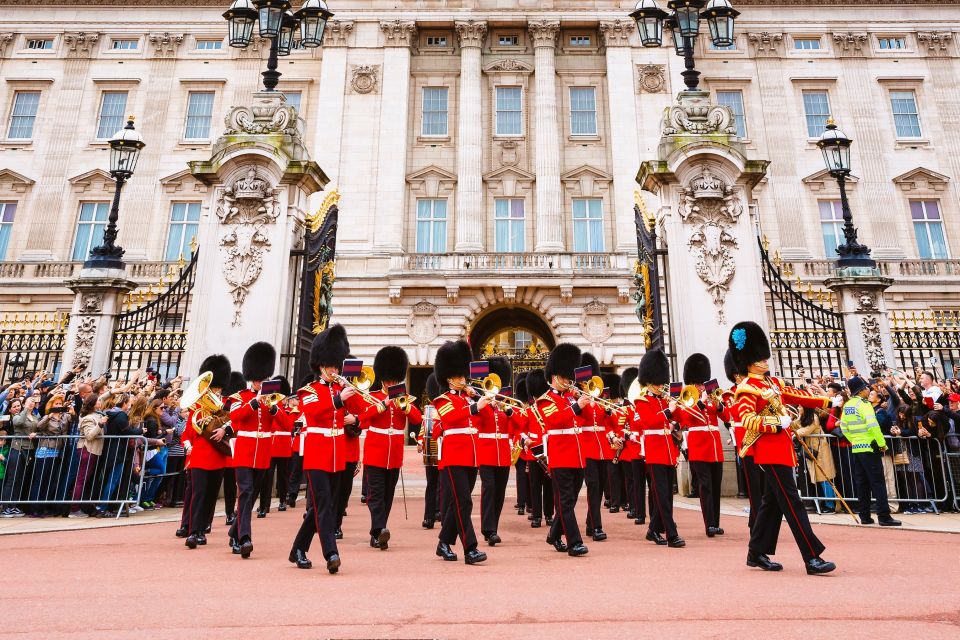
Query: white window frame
point(739, 119)
point(889, 39)
point(183, 248)
point(187, 116)
point(513, 40)
point(13, 114)
point(204, 41)
point(797, 40)
point(90, 239)
point(123, 112)
point(424, 111)
point(926, 223)
point(585, 221)
point(511, 223)
point(807, 116)
point(596, 126)
point(44, 39)
point(915, 114)
point(433, 222)
point(836, 222)
point(6, 226)
point(115, 41)
point(498, 110)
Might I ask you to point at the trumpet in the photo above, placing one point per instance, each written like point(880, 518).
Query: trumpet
point(362, 383)
point(403, 402)
point(689, 396)
point(272, 399)
point(593, 388)
point(491, 385)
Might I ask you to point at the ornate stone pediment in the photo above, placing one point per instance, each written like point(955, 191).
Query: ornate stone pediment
point(432, 181)
point(922, 179)
point(13, 182)
point(823, 181)
point(183, 182)
point(585, 179)
point(694, 113)
point(93, 181)
point(509, 181)
point(508, 65)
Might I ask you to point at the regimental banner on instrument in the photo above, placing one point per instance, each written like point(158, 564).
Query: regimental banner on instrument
point(479, 369)
point(352, 368)
point(397, 390)
point(582, 374)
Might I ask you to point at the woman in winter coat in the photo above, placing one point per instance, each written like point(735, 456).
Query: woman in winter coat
point(810, 429)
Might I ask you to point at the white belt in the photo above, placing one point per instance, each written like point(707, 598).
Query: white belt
point(493, 436)
point(468, 431)
point(592, 429)
point(330, 433)
point(386, 432)
point(656, 432)
point(254, 434)
point(565, 432)
point(737, 425)
point(283, 433)
point(708, 428)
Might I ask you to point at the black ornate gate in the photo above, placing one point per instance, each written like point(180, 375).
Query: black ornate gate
point(30, 343)
point(803, 332)
point(153, 332)
point(927, 340)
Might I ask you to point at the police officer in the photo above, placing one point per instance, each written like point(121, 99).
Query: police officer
point(861, 429)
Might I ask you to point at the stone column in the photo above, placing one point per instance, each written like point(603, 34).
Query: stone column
point(625, 135)
point(549, 206)
point(861, 303)
point(97, 301)
point(333, 88)
point(392, 153)
point(469, 225)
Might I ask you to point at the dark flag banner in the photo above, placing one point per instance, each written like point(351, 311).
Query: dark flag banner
point(646, 275)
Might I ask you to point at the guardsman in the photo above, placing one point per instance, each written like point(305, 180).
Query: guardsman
point(634, 467)
point(352, 432)
point(524, 501)
point(560, 408)
point(704, 446)
point(427, 446)
point(596, 451)
point(541, 485)
point(615, 420)
point(761, 402)
point(281, 449)
point(493, 455)
point(324, 404)
point(752, 473)
point(457, 450)
point(660, 449)
point(251, 429)
point(386, 425)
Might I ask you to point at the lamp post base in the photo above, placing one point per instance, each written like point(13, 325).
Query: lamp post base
point(104, 262)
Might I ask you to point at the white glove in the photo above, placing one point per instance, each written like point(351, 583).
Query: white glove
point(837, 401)
point(785, 422)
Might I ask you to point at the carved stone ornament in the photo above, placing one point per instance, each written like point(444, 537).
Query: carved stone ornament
point(936, 42)
point(866, 302)
point(423, 326)
point(544, 33)
point(91, 303)
point(596, 325)
point(509, 153)
point(471, 33)
point(267, 115)
point(850, 44)
point(652, 78)
point(398, 33)
point(245, 208)
point(5, 40)
point(80, 45)
point(711, 207)
point(86, 336)
point(509, 64)
point(616, 33)
point(165, 45)
point(364, 78)
point(766, 44)
point(256, 48)
point(694, 114)
point(870, 329)
point(337, 33)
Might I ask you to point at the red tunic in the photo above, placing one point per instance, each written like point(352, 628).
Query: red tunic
point(733, 416)
point(493, 441)
point(624, 424)
point(457, 430)
point(593, 438)
point(775, 446)
point(658, 445)
point(284, 424)
point(322, 441)
point(203, 455)
point(563, 434)
point(252, 444)
point(386, 432)
point(703, 433)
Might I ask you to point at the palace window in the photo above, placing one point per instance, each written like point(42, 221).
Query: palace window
point(293, 99)
point(24, 114)
point(906, 118)
point(431, 225)
point(434, 111)
point(184, 223)
point(93, 221)
point(199, 115)
point(113, 106)
point(209, 45)
point(928, 228)
point(509, 111)
point(588, 225)
point(7, 212)
point(436, 41)
point(734, 100)
point(816, 107)
point(508, 40)
point(40, 44)
point(583, 111)
point(727, 47)
point(124, 44)
point(806, 44)
point(831, 226)
point(580, 41)
point(508, 215)
point(892, 43)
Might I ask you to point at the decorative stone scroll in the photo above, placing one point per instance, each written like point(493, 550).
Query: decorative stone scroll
point(267, 115)
point(84, 344)
point(693, 113)
point(873, 341)
point(166, 45)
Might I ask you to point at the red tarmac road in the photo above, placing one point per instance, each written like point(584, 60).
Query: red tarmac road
point(140, 581)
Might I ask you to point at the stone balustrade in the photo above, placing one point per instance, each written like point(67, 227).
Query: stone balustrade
point(27, 273)
point(514, 263)
point(896, 269)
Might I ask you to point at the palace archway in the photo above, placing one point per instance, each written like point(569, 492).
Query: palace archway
point(517, 333)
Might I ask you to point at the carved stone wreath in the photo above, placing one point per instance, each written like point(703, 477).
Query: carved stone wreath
point(652, 78)
point(870, 329)
point(364, 78)
point(86, 335)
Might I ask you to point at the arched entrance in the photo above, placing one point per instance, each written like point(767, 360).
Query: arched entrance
point(519, 334)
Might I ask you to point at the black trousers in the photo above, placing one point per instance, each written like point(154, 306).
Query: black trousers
point(187, 500)
point(638, 495)
point(344, 489)
point(868, 474)
point(566, 489)
point(430, 502)
point(381, 486)
point(523, 484)
point(295, 479)
point(781, 500)
point(626, 484)
point(709, 476)
point(493, 490)
point(320, 519)
point(363, 483)
point(661, 500)
point(229, 491)
point(754, 477)
point(249, 484)
point(614, 483)
point(204, 489)
point(279, 470)
point(595, 476)
point(541, 491)
point(456, 485)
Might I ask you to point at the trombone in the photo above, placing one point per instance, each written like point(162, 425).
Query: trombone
point(362, 383)
point(491, 385)
point(593, 388)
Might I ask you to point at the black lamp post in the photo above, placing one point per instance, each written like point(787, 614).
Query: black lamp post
point(17, 364)
point(684, 22)
point(125, 150)
point(278, 24)
point(835, 146)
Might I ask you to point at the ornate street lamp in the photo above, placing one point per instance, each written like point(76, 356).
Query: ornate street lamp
point(835, 147)
point(278, 24)
point(684, 24)
point(125, 148)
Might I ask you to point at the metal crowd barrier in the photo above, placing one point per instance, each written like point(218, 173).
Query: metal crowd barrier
point(916, 472)
point(54, 475)
point(953, 469)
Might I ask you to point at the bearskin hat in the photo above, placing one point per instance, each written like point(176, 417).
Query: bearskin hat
point(626, 379)
point(564, 358)
point(611, 381)
point(433, 387)
point(520, 391)
point(391, 364)
point(501, 366)
point(654, 368)
point(219, 366)
point(537, 384)
point(520, 376)
point(236, 384)
point(305, 380)
point(259, 361)
point(453, 361)
point(330, 348)
point(284, 385)
point(588, 360)
point(729, 368)
point(696, 370)
point(748, 344)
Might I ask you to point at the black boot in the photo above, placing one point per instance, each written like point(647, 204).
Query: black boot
point(578, 549)
point(653, 536)
point(191, 542)
point(445, 552)
point(599, 535)
point(262, 513)
point(640, 521)
point(300, 559)
point(333, 563)
point(282, 506)
point(712, 531)
point(383, 540)
point(182, 532)
point(235, 546)
point(338, 534)
point(209, 529)
point(231, 518)
point(557, 544)
point(818, 566)
point(427, 524)
point(535, 523)
point(493, 539)
point(373, 542)
point(246, 548)
point(201, 539)
point(761, 560)
point(888, 521)
point(676, 542)
point(474, 556)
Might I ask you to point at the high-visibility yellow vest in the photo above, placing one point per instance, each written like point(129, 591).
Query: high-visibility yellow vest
point(860, 426)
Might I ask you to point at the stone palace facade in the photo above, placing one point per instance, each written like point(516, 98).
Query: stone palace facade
point(486, 151)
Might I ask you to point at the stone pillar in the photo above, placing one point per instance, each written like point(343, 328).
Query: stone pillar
point(549, 206)
point(861, 303)
point(261, 176)
point(625, 135)
point(469, 225)
point(392, 153)
point(333, 88)
point(96, 304)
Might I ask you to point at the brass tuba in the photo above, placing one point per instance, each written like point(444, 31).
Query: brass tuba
point(199, 397)
point(362, 383)
point(689, 396)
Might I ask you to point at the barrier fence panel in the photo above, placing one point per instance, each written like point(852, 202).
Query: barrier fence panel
point(953, 470)
point(50, 475)
point(915, 471)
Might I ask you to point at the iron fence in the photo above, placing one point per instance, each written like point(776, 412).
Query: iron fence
point(30, 343)
point(927, 340)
